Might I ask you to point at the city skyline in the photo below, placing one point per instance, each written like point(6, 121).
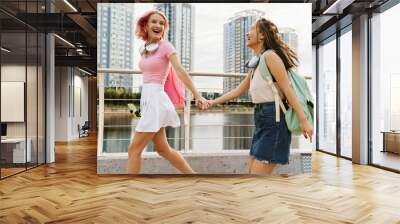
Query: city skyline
point(208, 35)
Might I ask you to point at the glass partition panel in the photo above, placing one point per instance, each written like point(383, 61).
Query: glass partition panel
point(32, 98)
point(346, 94)
point(385, 86)
point(15, 151)
point(327, 96)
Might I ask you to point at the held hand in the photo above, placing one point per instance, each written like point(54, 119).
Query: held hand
point(306, 129)
point(211, 103)
point(202, 103)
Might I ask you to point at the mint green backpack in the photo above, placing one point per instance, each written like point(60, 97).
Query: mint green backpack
point(302, 92)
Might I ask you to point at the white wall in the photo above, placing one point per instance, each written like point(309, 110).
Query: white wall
point(80, 109)
point(14, 73)
point(61, 103)
point(71, 94)
point(33, 125)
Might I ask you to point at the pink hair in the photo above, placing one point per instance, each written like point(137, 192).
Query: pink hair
point(142, 22)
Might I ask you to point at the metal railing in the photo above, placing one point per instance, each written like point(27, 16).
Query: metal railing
point(186, 110)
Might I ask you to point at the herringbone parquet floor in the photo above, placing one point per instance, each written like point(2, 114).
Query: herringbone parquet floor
point(70, 191)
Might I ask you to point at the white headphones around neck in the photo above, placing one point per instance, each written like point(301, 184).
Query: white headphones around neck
point(148, 48)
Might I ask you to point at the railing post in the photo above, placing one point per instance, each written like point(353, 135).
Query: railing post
point(186, 120)
point(100, 113)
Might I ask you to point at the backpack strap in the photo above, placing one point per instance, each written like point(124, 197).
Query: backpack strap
point(264, 71)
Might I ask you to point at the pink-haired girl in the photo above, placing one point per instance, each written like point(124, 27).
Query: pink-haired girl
point(157, 110)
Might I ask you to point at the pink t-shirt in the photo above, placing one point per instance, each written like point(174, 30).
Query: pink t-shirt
point(155, 66)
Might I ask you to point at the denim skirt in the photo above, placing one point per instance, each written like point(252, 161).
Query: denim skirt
point(271, 139)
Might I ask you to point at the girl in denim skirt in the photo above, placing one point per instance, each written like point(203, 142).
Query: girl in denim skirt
point(271, 139)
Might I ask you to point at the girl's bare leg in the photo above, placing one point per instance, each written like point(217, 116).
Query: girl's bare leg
point(173, 156)
point(250, 164)
point(135, 149)
point(259, 167)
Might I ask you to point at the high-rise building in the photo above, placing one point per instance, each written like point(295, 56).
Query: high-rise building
point(181, 30)
point(290, 37)
point(236, 53)
point(115, 41)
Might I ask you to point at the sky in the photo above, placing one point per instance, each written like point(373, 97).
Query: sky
point(208, 34)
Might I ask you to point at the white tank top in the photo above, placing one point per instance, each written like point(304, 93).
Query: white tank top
point(260, 91)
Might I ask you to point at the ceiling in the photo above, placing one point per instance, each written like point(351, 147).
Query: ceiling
point(77, 22)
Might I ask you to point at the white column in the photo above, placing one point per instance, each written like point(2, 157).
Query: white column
point(360, 90)
point(50, 100)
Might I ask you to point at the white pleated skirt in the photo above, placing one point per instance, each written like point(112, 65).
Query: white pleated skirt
point(156, 109)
